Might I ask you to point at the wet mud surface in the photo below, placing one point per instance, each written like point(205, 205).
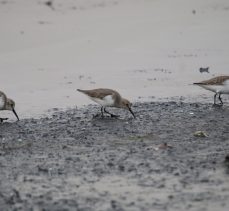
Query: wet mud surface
point(71, 161)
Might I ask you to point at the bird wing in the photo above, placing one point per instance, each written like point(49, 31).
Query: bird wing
point(214, 81)
point(99, 93)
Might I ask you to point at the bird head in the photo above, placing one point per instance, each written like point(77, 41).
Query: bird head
point(126, 104)
point(10, 105)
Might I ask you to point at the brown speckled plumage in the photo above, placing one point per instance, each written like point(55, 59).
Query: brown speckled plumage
point(219, 85)
point(219, 80)
point(100, 95)
point(6, 104)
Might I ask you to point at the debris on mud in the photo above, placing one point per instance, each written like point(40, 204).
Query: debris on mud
point(200, 134)
point(72, 161)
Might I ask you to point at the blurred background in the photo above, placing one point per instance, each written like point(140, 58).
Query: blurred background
point(148, 50)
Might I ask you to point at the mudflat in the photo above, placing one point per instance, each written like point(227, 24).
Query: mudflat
point(72, 161)
point(143, 49)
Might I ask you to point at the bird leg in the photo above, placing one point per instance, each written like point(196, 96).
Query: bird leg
point(112, 115)
point(3, 119)
point(99, 114)
point(220, 99)
point(102, 114)
point(215, 98)
point(103, 110)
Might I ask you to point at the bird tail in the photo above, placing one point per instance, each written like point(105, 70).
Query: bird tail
point(80, 90)
point(198, 83)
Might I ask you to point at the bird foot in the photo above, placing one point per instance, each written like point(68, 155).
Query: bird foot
point(217, 105)
point(3, 119)
point(98, 115)
point(114, 116)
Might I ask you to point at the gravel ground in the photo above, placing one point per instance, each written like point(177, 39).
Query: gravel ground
point(72, 161)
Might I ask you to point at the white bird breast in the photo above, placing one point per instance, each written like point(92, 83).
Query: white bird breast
point(225, 88)
point(222, 89)
point(2, 102)
point(106, 101)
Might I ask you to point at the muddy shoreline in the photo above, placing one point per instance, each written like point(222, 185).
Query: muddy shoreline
point(71, 161)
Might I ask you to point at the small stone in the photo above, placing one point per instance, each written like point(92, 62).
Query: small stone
point(200, 134)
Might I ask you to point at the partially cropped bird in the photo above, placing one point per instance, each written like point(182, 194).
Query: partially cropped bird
point(7, 104)
point(219, 85)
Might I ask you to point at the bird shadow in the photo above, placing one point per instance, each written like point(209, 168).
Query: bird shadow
point(217, 106)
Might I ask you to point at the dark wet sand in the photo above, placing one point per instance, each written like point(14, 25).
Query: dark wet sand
point(74, 162)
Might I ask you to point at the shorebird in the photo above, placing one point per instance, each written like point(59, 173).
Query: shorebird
point(219, 85)
point(6, 104)
point(108, 98)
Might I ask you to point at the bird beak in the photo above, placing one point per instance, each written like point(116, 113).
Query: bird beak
point(131, 112)
point(15, 114)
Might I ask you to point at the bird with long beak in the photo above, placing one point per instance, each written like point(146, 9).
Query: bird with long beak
point(108, 98)
point(7, 104)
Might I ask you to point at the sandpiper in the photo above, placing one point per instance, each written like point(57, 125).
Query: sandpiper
point(219, 85)
point(108, 98)
point(6, 104)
